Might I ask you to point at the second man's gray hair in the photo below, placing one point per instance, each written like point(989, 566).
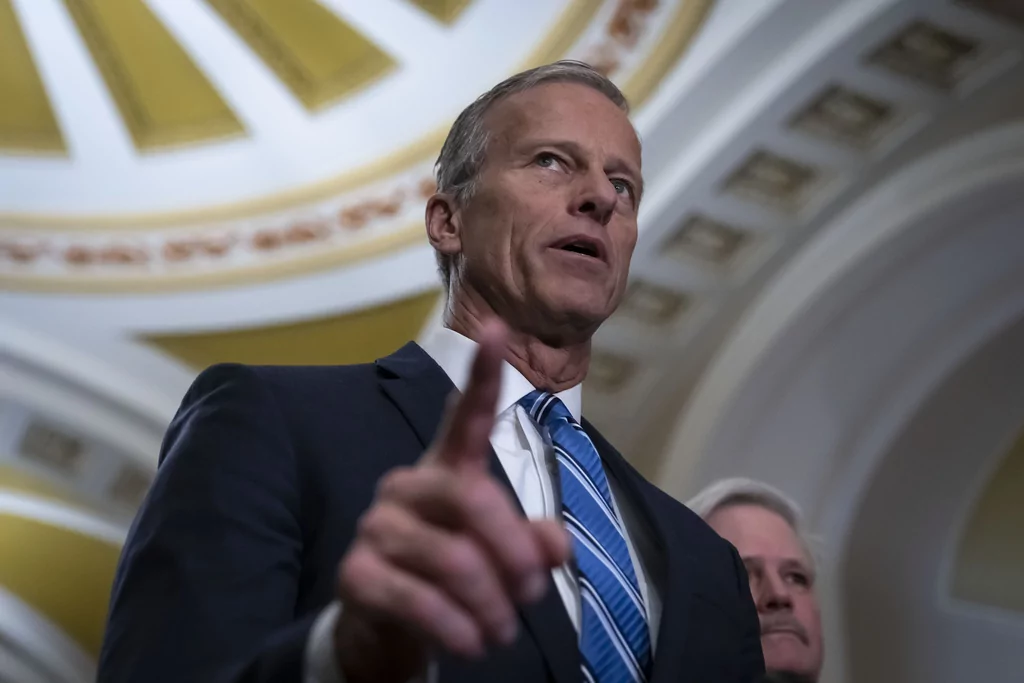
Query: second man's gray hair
point(743, 491)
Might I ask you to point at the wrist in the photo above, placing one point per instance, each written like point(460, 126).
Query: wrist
point(367, 652)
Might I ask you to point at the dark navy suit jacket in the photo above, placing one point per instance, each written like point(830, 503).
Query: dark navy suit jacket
point(264, 473)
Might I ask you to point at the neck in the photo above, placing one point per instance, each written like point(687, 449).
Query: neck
point(547, 365)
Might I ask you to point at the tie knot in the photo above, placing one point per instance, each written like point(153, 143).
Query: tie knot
point(545, 408)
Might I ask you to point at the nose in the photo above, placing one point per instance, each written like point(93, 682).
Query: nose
point(774, 595)
point(597, 198)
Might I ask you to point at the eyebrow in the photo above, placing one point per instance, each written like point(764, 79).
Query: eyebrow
point(616, 164)
point(758, 561)
point(794, 563)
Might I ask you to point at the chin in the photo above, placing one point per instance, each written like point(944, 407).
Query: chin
point(779, 659)
point(581, 304)
point(578, 316)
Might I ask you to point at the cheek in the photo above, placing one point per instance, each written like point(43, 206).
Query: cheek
point(631, 240)
point(807, 612)
point(626, 245)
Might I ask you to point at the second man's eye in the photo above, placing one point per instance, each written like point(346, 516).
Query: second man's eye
point(800, 579)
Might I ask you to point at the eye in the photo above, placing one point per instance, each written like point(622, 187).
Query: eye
point(799, 578)
point(622, 186)
point(548, 160)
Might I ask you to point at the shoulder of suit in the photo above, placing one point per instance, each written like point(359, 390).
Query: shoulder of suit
point(690, 523)
point(287, 379)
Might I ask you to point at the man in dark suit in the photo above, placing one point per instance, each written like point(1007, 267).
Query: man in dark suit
point(334, 524)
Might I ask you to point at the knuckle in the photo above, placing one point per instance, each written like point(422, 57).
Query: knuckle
point(423, 606)
point(355, 573)
point(374, 521)
point(521, 553)
point(385, 527)
point(479, 499)
point(394, 482)
point(462, 562)
point(399, 593)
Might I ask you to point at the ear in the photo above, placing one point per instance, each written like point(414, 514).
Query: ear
point(444, 224)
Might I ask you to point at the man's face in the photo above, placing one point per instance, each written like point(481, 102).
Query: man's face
point(548, 235)
point(782, 584)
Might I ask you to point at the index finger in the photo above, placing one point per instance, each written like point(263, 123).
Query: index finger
point(465, 437)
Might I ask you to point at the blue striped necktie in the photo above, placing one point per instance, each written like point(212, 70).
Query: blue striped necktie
point(615, 643)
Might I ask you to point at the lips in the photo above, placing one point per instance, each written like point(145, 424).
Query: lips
point(793, 630)
point(584, 245)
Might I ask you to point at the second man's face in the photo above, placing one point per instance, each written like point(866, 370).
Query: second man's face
point(781, 583)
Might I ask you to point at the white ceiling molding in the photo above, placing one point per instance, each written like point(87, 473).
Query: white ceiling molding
point(56, 514)
point(52, 357)
point(30, 643)
point(397, 275)
point(87, 427)
point(841, 349)
point(881, 230)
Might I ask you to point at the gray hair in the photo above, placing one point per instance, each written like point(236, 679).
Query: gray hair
point(743, 491)
point(465, 148)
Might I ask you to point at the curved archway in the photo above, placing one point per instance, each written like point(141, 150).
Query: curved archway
point(843, 349)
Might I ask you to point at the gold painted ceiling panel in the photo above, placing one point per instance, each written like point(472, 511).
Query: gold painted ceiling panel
point(320, 57)
point(989, 562)
point(37, 559)
point(358, 337)
point(27, 122)
point(164, 99)
point(446, 11)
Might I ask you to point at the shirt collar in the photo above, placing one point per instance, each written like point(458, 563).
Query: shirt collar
point(455, 353)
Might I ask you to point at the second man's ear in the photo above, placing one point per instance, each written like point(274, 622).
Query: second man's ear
point(444, 224)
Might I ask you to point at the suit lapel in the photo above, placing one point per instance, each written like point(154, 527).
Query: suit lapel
point(419, 388)
point(675, 593)
point(547, 620)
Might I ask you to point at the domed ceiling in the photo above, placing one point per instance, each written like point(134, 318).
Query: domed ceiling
point(170, 142)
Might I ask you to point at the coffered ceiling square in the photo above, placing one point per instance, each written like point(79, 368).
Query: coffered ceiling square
point(609, 372)
point(929, 54)
point(845, 116)
point(708, 240)
point(47, 446)
point(773, 179)
point(1013, 10)
point(651, 303)
point(130, 486)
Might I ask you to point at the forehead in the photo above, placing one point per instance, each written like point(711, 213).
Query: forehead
point(757, 532)
point(564, 111)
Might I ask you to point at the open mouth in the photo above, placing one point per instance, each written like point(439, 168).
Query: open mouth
point(585, 246)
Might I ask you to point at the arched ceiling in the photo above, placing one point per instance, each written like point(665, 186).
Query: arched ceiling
point(922, 544)
point(877, 381)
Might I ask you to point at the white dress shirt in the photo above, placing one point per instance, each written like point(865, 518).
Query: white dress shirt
point(527, 462)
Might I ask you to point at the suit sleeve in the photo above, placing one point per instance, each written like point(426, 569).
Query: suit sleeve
point(750, 661)
point(206, 587)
